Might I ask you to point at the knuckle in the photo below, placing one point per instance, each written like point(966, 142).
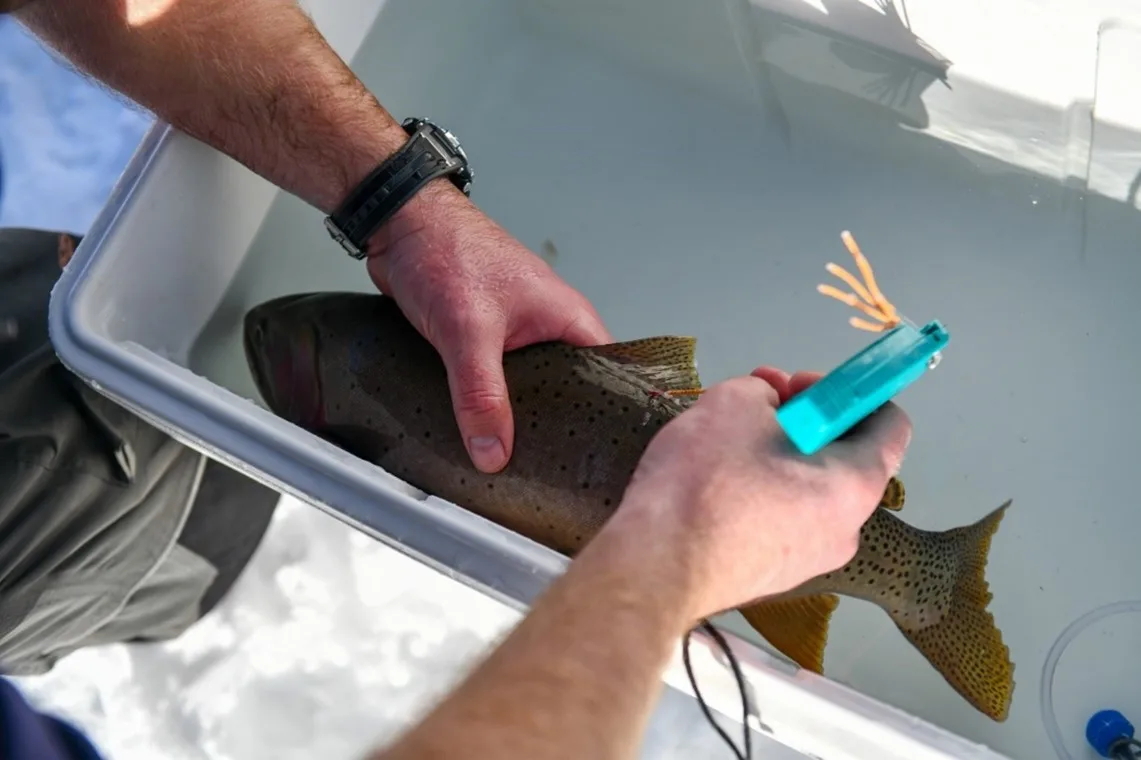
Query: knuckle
point(739, 393)
point(461, 320)
point(479, 395)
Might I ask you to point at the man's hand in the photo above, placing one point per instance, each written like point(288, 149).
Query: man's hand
point(256, 80)
point(737, 512)
point(474, 292)
point(721, 510)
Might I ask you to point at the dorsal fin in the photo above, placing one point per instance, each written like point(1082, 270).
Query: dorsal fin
point(666, 362)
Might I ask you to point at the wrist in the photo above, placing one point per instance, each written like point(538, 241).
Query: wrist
point(436, 199)
point(646, 562)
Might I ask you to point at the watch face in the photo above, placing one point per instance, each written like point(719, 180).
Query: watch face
point(463, 175)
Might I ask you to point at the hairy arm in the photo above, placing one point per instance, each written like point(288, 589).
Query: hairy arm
point(580, 675)
point(254, 79)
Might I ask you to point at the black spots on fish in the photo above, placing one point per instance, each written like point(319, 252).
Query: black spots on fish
point(534, 424)
point(490, 486)
point(585, 485)
point(607, 502)
point(400, 436)
point(614, 441)
point(427, 434)
point(463, 481)
point(570, 433)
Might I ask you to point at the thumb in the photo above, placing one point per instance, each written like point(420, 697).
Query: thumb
point(480, 399)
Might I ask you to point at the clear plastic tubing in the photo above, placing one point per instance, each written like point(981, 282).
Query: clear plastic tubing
point(1051, 665)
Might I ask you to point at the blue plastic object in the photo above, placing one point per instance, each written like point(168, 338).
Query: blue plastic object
point(1107, 728)
point(838, 401)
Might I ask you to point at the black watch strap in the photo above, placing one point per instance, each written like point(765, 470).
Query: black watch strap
point(430, 153)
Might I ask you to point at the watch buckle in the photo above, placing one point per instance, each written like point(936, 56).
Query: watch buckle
point(338, 235)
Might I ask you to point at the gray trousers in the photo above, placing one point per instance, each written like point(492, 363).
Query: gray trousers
point(110, 531)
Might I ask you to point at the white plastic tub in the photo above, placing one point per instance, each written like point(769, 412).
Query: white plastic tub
point(693, 162)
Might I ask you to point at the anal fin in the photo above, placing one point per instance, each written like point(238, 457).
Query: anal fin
point(798, 628)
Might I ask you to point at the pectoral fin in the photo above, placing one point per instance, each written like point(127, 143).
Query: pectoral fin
point(894, 495)
point(65, 249)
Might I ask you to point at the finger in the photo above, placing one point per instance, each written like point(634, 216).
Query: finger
point(802, 380)
point(480, 399)
point(777, 378)
point(587, 329)
point(879, 441)
point(753, 391)
point(559, 315)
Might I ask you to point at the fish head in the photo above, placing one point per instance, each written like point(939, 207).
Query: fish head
point(280, 338)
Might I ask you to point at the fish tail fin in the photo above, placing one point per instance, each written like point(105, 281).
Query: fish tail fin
point(964, 644)
point(797, 627)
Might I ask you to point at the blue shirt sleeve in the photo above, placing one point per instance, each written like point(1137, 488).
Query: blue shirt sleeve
point(26, 734)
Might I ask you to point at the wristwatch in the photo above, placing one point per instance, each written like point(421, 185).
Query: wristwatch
point(430, 152)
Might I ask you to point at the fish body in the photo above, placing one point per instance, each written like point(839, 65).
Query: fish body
point(350, 368)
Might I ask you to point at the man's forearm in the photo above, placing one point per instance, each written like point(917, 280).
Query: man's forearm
point(252, 78)
point(577, 679)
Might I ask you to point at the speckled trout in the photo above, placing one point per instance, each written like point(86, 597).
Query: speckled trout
point(350, 368)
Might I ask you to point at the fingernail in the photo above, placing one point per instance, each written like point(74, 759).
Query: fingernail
point(487, 452)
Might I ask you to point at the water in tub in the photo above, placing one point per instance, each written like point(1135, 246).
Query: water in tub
point(690, 169)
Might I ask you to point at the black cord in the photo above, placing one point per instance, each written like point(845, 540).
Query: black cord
point(741, 685)
point(1123, 749)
